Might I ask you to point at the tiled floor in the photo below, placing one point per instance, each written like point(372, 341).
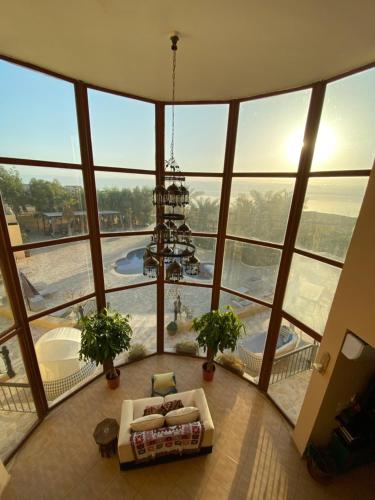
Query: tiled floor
point(290, 392)
point(253, 458)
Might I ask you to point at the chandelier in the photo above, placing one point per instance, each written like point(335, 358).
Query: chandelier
point(171, 242)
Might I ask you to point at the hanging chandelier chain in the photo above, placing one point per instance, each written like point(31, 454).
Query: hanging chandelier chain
point(173, 99)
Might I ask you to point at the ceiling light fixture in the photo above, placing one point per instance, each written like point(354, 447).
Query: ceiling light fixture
point(171, 242)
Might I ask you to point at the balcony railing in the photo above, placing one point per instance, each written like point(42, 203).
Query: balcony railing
point(293, 362)
point(16, 397)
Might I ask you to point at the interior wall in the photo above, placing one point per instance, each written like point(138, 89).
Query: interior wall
point(353, 309)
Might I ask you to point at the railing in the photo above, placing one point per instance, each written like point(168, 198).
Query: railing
point(293, 362)
point(16, 396)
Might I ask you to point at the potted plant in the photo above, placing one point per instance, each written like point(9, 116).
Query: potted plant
point(172, 328)
point(217, 331)
point(104, 335)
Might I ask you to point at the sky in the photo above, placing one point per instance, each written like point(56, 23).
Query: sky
point(38, 121)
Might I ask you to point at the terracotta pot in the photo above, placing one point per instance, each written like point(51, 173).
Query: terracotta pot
point(113, 383)
point(208, 376)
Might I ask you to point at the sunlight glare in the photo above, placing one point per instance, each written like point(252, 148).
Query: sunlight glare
point(325, 145)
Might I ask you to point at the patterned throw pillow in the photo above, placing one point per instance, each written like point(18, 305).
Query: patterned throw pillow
point(164, 408)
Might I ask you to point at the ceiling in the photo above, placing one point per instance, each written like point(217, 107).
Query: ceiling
point(228, 49)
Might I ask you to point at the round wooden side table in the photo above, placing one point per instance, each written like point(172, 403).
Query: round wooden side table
point(105, 435)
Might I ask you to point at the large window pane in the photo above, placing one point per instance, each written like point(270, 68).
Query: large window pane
point(54, 275)
point(259, 208)
point(329, 215)
point(181, 305)
point(123, 260)
point(255, 317)
point(140, 303)
point(310, 290)
point(57, 341)
point(292, 369)
point(37, 116)
point(42, 203)
point(123, 131)
point(203, 211)
point(268, 133)
point(200, 136)
point(17, 408)
point(6, 315)
point(346, 138)
point(250, 269)
point(205, 252)
point(125, 201)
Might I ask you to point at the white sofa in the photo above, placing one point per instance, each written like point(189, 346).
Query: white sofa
point(132, 409)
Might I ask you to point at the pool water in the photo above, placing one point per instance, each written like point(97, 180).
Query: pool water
point(133, 264)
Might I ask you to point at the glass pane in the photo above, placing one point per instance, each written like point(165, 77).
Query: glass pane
point(125, 201)
point(122, 131)
point(200, 136)
point(329, 215)
point(267, 128)
point(292, 369)
point(37, 116)
point(203, 211)
point(6, 315)
point(256, 319)
point(57, 341)
point(259, 208)
point(346, 138)
point(310, 291)
point(17, 408)
point(251, 269)
point(181, 305)
point(205, 252)
point(123, 260)
point(54, 275)
point(140, 303)
point(43, 203)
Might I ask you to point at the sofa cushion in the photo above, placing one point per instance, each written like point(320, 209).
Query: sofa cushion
point(164, 408)
point(140, 405)
point(163, 381)
point(148, 422)
point(182, 416)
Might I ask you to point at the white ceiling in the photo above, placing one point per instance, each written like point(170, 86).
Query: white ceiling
point(229, 48)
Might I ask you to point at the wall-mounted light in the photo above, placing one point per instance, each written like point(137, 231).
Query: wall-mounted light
point(322, 365)
point(353, 346)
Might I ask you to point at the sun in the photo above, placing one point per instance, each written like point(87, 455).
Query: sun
point(324, 147)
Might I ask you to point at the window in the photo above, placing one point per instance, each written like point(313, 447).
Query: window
point(250, 269)
point(329, 215)
point(38, 116)
point(181, 304)
point(125, 201)
point(346, 139)
point(6, 315)
point(140, 303)
point(53, 275)
point(259, 208)
point(57, 340)
point(42, 203)
point(123, 260)
point(123, 131)
point(200, 136)
point(310, 291)
point(202, 213)
point(270, 133)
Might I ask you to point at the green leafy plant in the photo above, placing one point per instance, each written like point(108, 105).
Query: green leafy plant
point(104, 335)
point(217, 331)
point(137, 351)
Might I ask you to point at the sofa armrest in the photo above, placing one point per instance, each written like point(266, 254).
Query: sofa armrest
point(205, 415)
point(124, 447)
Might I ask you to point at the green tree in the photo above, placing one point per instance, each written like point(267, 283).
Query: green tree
point(12, 189)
